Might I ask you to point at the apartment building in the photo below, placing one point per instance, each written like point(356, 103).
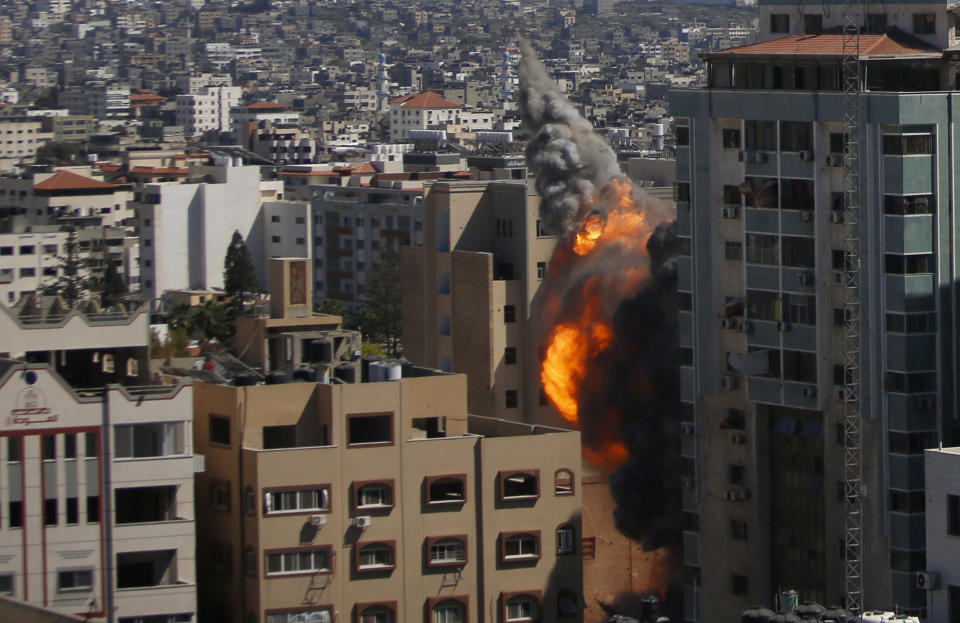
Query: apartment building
point(469, 292)
point(207, 110)
point(186, 225)
point(19, 142)
point(27, 261)
point(97, 497)
point(760, 215)
point(283, 143)
point(354, 498)
point(419, 112)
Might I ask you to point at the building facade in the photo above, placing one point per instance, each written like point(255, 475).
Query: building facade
point(760, 215)
point(941, 578)
point(207, 110)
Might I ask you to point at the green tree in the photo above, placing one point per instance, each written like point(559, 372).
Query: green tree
point(239, 277)
point(60, 153)
point(72, 283)
point(331, 306)
point(113, 287)
point(379, 316)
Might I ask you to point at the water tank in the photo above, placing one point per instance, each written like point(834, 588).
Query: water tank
point(305, 373)
point(277, 378)
point(757, 614)
point(877, 616)
point(244, 380)
point(321, 351)
point(904, 618)
point(809, 610)
point(784, 618)
point(392, 371)
point(837, 615)
point(375, 372)
point(346, 373)
point(649, 608)
point(788, 601)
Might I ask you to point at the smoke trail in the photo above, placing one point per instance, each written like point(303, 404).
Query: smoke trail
point(608, 313)
point(569, 159)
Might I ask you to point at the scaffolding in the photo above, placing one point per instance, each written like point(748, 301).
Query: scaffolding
point(852, 354)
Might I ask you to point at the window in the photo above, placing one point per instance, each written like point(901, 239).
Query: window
point(50, 511)
point(308, 560)
point(74, 580)
point(739, 585)
point(876, 23)
point(6, 584)
point(736, 474)
point(322, 614)
point(9, 250)
point(510, 398)
point(49, 447)
point(732, 250)
point(370, 430)
point(779, 22)
point(510, 355)
point(376, 613)
point(135, 441)
point(953, 515)
point(924, 23)
point(220, 430)
point(374, 556)
point(763, 249)
point(731, 194)
point(566, 543)
point(910, 264)
point(681, 191)
point(520, 607)
point(912, 323)
point(520, 546)
point(509, 314)
point(796, 135)
point(447, 551)
point(449, 611)
point(730, 138)
point(373, 495)
point(907, 144)
point(761, 135)
point(812, 23)
point(801, 308)
point(27, 249)
point(93, 508)
point(517, 485)
point(563, 482)
point(73, 511)
point(908, 205)
point(738, 530)
point(273, 239)
point(220, 495)
point(799, 366)
point(306, 500)
point(541, 270)
point(446, 489)
point(796, 194)
point(798, 252)
point(683, 135)
point(274, 219)
point(28, 272)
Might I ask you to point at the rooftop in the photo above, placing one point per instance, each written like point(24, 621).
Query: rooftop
point(893, 44)
point(427, 99)
point(67, 180)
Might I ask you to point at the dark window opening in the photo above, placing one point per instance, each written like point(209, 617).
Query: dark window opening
point(220, 430)
point(370, 429)
point(444, 490)
point(519, 485)
point(145, 504)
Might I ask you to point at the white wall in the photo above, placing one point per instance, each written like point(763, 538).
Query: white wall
point(943, 550)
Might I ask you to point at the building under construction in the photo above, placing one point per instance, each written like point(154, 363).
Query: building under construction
point(815, 189)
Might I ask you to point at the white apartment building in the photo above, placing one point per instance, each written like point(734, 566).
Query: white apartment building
point(98, 494)
point(421, 111)
point(26, 261)
point(185, 228)
point(20, 140)
point(207, 110)
point(196, 82)
point(109, 102)
point(66, 195)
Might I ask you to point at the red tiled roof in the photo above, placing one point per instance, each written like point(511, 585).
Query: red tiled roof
point(266, 106)
point(107, 167)
point(427, 99)
point(68, 180)
point(893, 43)
point(366, 167)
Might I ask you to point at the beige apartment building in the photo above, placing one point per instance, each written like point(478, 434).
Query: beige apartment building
point(366, 500)
point(469, 292)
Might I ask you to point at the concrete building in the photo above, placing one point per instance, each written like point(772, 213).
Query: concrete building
point(64, 196)
point(98, 497)
point(760, 214)
point(468, 293)
point(207, 110)
point(419, 112)
point(186, 225)
point(283, 143)
point(369, 500)
point(941, 578)
point(28, 260)
point(19, 142)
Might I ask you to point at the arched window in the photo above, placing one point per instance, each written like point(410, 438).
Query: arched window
point(373, 495)
point(443, 551)
point(449, 611)
point(563, 482)
point(566, 540)
point(446, 489)
point(520, 546)
point(375, 613)
point(520, 607)
point(567, 605)
point(520, 485)
point(374, 556)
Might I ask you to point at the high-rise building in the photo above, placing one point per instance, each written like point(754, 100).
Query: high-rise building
point(208, 110)
point(760, 188)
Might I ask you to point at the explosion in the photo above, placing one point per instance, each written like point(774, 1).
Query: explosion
point(608, 312)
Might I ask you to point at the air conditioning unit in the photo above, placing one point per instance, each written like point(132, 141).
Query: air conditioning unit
point(743, 156)
point(686, 482)
point(925, 402)
point(318, 521)
point(742, 493)
point(746, 326)
point(730, 212)
point(783, 326)
point(738, 437)
point(728, 381)
point(809, 391)
point(836, 216)
point(805, 278)
point(927, 580)
point(687, 428)
point(806, 216)
point(730, 495)
point(728, 323)
point(758, 156)
point(806, 155)
point(363, 522)
point(835, 160)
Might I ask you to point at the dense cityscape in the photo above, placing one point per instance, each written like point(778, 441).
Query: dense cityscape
point(491, 311)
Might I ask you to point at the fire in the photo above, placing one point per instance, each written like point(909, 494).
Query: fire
point(616, 226)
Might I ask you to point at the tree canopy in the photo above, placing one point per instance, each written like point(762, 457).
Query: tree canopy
point(239, 276)
point(72, 283)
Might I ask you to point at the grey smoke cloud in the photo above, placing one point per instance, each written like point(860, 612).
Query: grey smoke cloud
point(569, 159)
